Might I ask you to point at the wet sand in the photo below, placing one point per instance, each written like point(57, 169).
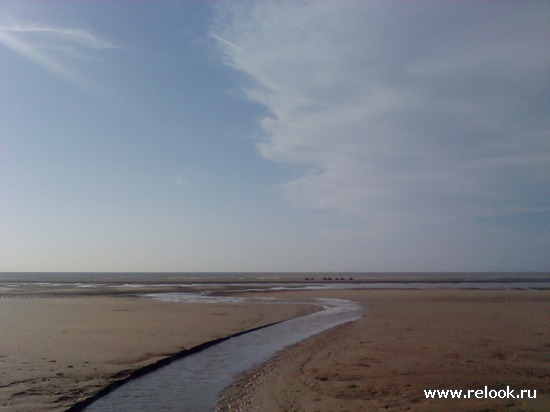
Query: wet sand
point(410, 341)
point(56, 351)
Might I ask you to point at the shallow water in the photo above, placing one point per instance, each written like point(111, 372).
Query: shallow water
point(194, 383)
point(117, 279)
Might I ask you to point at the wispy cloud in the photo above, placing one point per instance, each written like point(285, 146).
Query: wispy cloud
point(416, 109)
point(50, 48)
point(77, 37)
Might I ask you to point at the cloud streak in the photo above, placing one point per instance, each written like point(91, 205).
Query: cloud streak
point(77, 37)
point(431, 109)
point(49, 47)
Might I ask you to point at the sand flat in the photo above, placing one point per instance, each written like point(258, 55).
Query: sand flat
point(409, 341)
point(55, 351)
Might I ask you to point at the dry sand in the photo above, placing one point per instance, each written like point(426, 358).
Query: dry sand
point(410, 341)
point(55, 351)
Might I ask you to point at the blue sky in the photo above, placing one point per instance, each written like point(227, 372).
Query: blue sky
point(274, 136)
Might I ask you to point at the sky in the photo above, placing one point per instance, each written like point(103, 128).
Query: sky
point(191, 136)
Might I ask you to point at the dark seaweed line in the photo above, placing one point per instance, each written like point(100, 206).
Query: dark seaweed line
point(136, 373)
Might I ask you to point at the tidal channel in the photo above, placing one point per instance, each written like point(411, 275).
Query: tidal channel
point(194, 383)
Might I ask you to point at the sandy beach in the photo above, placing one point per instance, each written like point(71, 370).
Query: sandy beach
point(410, 341)
point(58, 350)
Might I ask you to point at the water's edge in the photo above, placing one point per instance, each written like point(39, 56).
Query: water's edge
point(232, 395)
point(195, 382)
point(127, 376)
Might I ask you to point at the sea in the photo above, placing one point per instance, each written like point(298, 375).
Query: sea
point(284, 280)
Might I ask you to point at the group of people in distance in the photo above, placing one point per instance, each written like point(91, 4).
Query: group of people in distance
point(329, 278)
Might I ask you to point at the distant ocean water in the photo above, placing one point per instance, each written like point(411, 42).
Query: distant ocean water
point(317, 280)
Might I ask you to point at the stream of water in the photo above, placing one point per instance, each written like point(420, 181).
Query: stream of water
point(194, 383)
